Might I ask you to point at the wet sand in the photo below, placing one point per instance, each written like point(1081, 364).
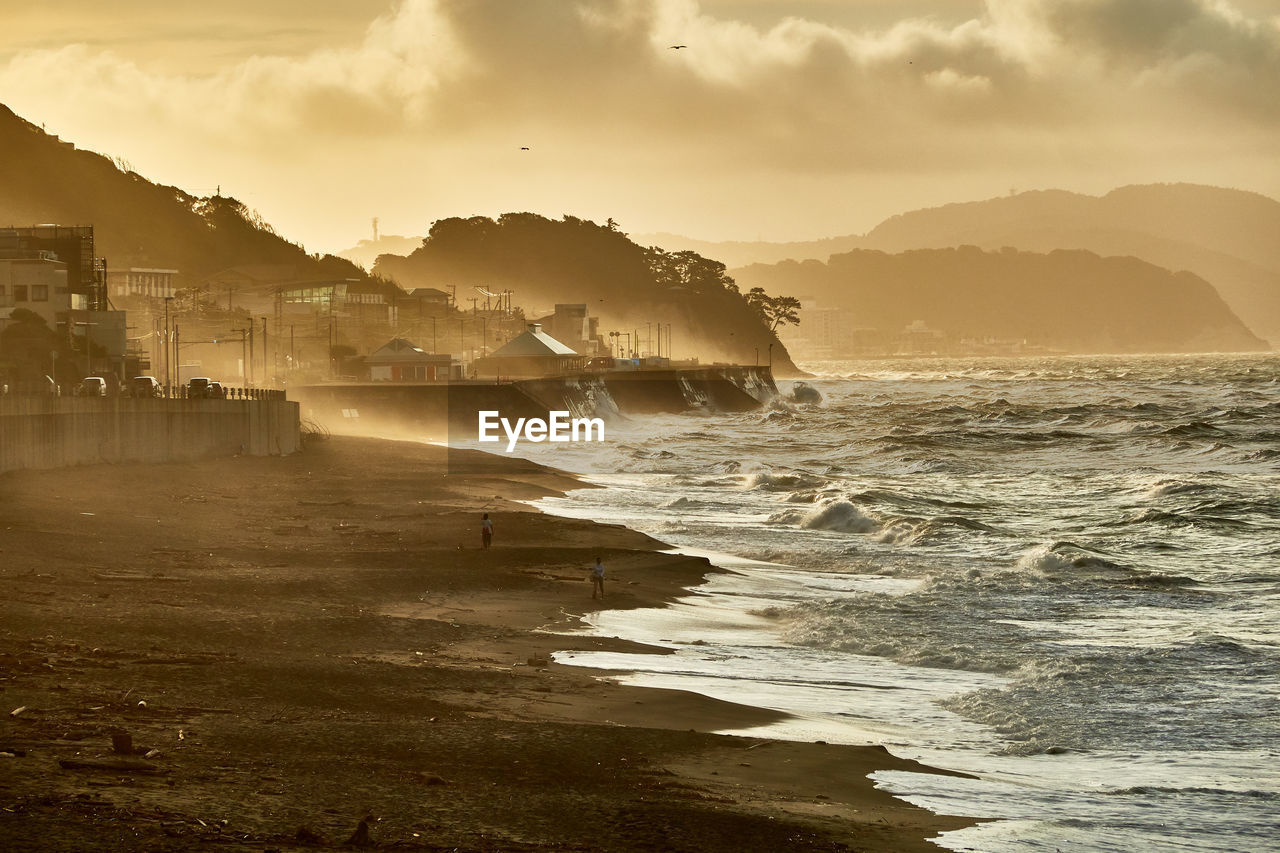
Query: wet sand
point(300, 647)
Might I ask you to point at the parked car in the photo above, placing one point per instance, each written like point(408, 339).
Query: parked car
point(198, 387)
point(93, 386)
point(215, 391)
point(146, 386)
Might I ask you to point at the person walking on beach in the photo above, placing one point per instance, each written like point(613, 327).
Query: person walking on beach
point(486, 531)
point(597, 579)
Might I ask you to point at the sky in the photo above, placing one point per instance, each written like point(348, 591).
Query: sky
point(776, 120)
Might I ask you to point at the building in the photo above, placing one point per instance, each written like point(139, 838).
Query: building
point(70, 244)
point(38, 283)
point(429, 299)
point(531, 354)
point(51, 270)
point(572, 325)
point(823, 332)
point(366, 301)
point(141, 283)
point(399, 360)
point(917, 338)
point(108, 332)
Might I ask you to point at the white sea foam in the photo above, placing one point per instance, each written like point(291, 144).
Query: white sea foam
point(839, 516)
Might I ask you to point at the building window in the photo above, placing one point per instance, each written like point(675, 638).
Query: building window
point(19, 293)
point(39, 293)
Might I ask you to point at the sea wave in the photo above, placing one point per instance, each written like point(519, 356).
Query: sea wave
point(840, 516)
point(1058, 558)
point(781, 482)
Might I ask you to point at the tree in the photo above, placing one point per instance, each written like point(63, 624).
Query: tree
point(775, 311)
point(27, 347)
point(688, 269)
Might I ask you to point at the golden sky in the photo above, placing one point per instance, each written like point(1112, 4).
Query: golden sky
point(781, 120)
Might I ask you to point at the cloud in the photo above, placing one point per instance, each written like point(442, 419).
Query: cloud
point(451, 67)
point(1201, 52)
point(449, 88)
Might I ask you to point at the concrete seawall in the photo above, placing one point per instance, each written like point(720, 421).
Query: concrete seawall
point(44, 432)
point(433, 411)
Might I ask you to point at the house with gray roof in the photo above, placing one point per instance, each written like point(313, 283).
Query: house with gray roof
point(533, 353)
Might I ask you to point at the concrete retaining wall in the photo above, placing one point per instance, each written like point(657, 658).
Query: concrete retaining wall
point(732, 388)
point(42, 432)
point(414, 410)
point(410, 410)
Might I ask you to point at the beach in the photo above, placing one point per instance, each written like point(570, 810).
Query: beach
point(308, 651)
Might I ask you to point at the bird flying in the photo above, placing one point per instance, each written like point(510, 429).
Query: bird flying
point(678, 46)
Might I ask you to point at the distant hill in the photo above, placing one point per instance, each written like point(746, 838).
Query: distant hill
point(1073, 300)
point(1230, 238)
point(630, 287)
point(366, 252)
point(740, 253)
point(136, 222)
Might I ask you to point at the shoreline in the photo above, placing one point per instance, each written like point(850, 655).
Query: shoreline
point(298, 619)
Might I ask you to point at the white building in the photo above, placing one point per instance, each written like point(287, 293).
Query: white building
point(822, 332)
point(37, 283)
point(141, 282)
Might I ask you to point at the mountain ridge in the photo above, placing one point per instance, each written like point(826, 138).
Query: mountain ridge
point(1229, 237)
point(1070, 300)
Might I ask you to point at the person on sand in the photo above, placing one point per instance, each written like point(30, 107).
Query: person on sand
point(486, 531)
point(597, 579)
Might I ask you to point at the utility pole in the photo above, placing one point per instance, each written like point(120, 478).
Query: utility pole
point(250, 352)
point(266, 366)
point(167, 376)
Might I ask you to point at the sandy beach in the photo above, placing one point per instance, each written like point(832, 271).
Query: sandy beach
point(314, 651)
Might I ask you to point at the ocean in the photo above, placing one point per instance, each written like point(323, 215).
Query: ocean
point(1060, 575)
